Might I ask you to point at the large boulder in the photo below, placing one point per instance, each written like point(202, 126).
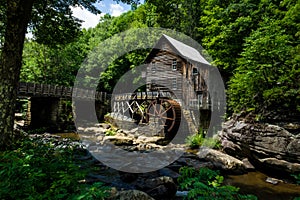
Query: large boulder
point(159, 188)
point(118, 140)
point(222, 161)
point(265, 145)
point(131, 195)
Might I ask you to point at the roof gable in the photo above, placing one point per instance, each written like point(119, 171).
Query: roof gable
point(187, 52)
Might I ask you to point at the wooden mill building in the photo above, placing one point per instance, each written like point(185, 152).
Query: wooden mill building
point(180, 84)
point(179, 69)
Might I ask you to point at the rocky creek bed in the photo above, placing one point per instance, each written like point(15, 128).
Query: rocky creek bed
point(162, 183)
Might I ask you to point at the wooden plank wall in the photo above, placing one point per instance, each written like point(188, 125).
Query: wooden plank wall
point(163, 74)
point(187, 83)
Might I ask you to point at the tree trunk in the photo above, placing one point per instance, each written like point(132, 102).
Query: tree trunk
point(18, 15)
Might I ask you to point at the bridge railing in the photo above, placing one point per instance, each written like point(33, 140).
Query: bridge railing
point(47, 90)
point(149, 95)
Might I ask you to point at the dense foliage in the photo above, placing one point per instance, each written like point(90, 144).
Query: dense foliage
point(59, 64)
point(268, 73)
point(41, 169)
point(44, 64)
point(207, 184)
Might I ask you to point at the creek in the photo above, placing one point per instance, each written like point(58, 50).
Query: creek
point(255, 183)
point(250, 183)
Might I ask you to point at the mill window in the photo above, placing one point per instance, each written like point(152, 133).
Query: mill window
point(200, 99)
point(195, 71)
point(174, 65)
point(174, 84)
point(153, 67)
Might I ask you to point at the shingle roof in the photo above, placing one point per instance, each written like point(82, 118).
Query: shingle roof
point(186, 51)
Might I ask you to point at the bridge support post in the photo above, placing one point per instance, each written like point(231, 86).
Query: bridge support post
point(101, 110)
point(205, 118)
point(28, 114)
point(44, 112)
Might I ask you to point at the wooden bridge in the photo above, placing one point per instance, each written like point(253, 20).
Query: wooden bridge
point(47, 90)
point(45, 103)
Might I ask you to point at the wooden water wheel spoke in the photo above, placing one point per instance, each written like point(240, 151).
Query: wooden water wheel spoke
point(162, 122)
point(168, 118)
point(155, 115)
point(156, 111)
point(167, 110)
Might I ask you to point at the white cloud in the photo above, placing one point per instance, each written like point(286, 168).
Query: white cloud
point(89, 19)
point(116, 9)
point(29, 34)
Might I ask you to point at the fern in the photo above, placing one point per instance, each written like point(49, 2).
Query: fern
point(207, 184)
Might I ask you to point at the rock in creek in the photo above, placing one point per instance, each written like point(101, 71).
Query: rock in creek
point(222, 161)
point(159, 188)
point(119, 140)
point(131, 195)
point(273, 181)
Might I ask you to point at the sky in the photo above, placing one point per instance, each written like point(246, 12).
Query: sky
point(106, 6)
point(91, 20)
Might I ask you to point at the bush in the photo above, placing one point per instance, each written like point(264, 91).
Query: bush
point(110, 132)
point(39, 170)
point(194, 141)
point(297, 177)
point(207, 184)
point(198, 139)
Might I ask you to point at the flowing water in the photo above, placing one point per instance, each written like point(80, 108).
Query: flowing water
point(255, 183)
point(250, 183)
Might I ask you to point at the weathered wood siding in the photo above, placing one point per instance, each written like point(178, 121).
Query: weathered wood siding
point(188, 83)
point(160, 72)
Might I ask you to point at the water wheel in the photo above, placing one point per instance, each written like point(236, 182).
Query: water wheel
point(165, 112)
